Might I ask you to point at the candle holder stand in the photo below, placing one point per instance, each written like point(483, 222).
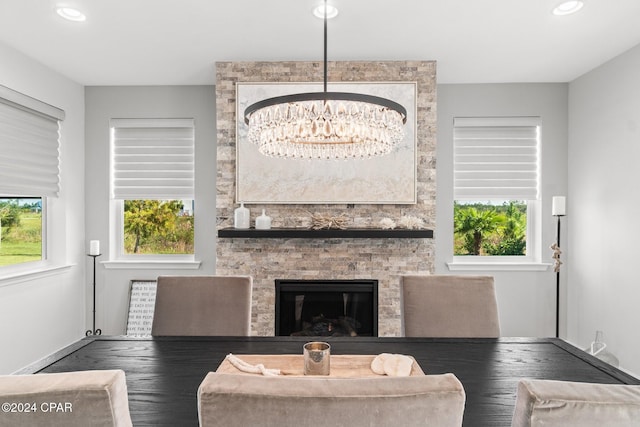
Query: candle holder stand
point(557, 271)
point(94, 331)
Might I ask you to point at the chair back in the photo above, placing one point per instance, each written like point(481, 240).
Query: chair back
point(67, 399)
point(552, 403)
point(202, 306)
point(449, 306)
point(252, 400)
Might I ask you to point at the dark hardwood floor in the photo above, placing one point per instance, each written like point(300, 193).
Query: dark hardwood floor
point(163, 374)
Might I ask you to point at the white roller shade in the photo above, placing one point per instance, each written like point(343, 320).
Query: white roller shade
point(29, 146)
point(152, 158)
point(496, 158)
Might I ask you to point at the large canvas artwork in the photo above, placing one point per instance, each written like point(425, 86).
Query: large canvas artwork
point(390, 179)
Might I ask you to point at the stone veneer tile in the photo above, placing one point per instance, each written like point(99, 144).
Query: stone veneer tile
point(382, 259)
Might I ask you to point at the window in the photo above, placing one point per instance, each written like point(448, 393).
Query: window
point(496, 180)
point(20, 230)
point(160, 227)
point(29, 174)
point(152, 176)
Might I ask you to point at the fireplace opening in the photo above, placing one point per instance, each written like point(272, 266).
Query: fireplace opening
point(326, 307)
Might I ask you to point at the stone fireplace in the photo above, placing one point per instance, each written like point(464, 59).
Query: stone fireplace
point(326, 308)
point(336, 257)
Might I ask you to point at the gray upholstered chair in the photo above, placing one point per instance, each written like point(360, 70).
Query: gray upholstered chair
point(254, 400)
point(203, 306)
point(571, 404)
point(449, 306)
point(68, 399)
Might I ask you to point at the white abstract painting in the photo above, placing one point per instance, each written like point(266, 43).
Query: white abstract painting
point(389, 179)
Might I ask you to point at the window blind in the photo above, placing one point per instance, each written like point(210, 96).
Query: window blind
point(152, 159)
point(496, 158)
point(29, 146)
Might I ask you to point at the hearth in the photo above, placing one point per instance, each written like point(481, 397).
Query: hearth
point(326, 307)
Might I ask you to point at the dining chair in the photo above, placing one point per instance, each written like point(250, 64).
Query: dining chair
point(66, 399)
point(449, 306)
point(202, 306)
point(252, 400)
point(552, 403)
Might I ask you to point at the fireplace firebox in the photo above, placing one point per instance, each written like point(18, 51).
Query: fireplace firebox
point(326, 307)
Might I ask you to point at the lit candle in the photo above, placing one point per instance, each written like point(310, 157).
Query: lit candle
point(558, 206)
point(94, 247)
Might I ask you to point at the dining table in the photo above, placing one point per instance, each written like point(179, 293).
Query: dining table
point(163, 373)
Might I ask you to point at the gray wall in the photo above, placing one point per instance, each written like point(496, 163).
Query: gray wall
point(602, 211)
point(526, 299)
point(104, 103)
point(44, 311)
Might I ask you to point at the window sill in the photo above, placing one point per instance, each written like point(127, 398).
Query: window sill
point(498, 266)
point(151, 265)
point(33, 274)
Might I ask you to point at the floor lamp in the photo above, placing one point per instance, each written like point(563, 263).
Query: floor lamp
point(94, 252)
point(558, 209)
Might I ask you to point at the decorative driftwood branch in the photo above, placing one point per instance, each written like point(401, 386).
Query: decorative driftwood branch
point(324, 222)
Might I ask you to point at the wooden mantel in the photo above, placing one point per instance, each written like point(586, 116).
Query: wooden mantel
point(307, 233)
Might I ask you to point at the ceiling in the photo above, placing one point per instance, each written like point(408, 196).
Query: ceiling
point(177, 42)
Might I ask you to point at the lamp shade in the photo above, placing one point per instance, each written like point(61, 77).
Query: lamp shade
point(559, 206)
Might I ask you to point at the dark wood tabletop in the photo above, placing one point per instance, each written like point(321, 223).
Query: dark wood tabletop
point(163, 373)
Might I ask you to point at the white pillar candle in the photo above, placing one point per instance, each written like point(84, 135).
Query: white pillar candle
point(558, 206)
point(94, 247)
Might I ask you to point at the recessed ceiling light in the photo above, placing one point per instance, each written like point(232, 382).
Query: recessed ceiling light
point(568, 7)
point(332, 11)
point(71, 14)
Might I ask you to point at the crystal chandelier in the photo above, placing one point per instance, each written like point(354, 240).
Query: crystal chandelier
point(325, 125)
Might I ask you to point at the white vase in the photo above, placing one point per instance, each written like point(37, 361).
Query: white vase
point(241, 217)
point(263, 222)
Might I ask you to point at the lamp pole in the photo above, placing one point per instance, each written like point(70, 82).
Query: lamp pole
point(94, 331)
point(557, 270)
point(558, 209)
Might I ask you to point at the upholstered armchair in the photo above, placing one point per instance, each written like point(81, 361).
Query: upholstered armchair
point(68, 399)
point(203, 305)
point(551, 403)
point(251, 400)
point(449, 306)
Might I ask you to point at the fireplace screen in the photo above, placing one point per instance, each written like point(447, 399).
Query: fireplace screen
point(326, 307)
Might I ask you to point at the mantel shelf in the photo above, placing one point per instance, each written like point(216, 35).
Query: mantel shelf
point(306, 233)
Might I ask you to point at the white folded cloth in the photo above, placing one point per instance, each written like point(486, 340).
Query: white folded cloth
point(252, 369)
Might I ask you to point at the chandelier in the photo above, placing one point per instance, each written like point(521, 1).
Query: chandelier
point(325, 125)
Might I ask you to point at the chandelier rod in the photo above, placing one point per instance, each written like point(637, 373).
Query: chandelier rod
point(325, 45)
point(325, 95)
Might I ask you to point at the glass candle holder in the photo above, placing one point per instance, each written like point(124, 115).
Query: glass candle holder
point(317, 358)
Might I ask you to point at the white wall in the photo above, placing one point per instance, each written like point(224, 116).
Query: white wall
point(39, 315)
point(105, 103)
point(602, 211)
point(526, 299)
